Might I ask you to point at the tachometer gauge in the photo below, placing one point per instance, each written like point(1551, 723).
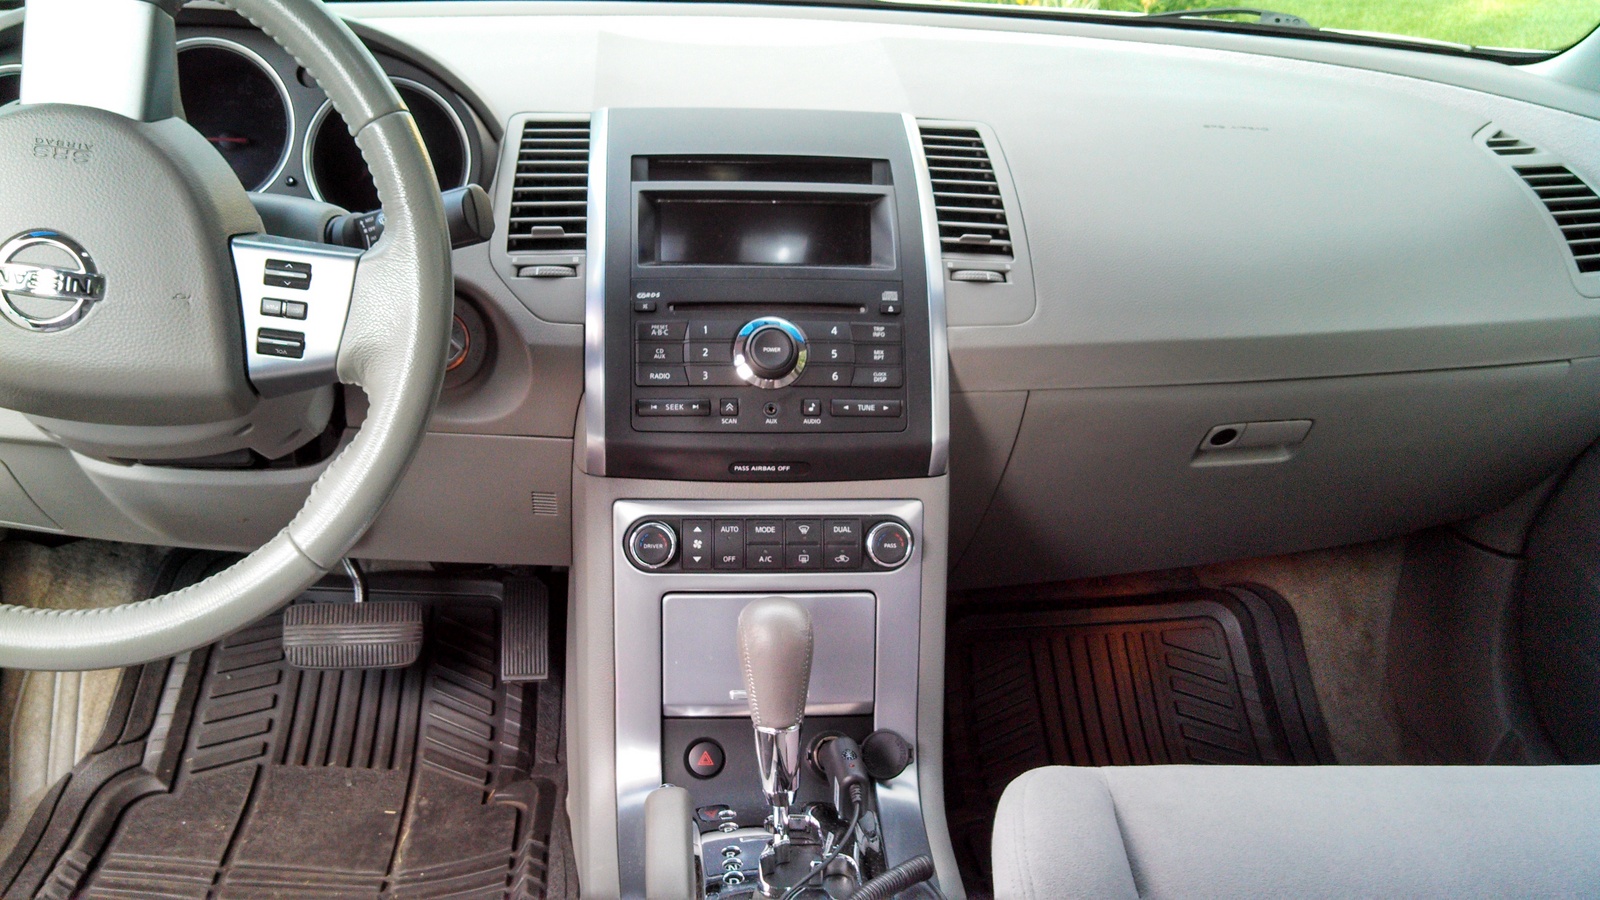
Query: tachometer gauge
point(233, 98)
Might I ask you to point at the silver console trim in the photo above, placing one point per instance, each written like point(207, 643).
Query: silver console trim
point(938, 342)
point(594, 301)
point(637, 645)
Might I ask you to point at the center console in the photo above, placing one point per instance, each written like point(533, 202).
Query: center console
point(763, 494)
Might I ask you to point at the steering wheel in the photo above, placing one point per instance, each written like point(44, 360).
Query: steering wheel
point(133, 274)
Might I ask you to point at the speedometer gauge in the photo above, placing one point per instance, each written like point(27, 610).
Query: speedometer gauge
point(233, 98)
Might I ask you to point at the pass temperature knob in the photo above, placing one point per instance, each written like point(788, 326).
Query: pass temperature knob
point(769, 352)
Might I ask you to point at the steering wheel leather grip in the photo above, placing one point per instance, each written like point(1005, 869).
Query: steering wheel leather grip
point(393, 347)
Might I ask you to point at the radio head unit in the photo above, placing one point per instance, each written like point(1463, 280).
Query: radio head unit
point(762, 292)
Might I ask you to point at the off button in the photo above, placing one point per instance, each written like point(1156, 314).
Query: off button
point(705, 758)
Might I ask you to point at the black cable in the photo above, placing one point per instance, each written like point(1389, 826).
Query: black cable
point(856, 800)
point(911, 872)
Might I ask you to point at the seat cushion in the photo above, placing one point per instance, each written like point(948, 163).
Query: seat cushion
point(1309, 831)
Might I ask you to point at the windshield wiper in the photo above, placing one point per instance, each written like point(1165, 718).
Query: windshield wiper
point(1263, 16)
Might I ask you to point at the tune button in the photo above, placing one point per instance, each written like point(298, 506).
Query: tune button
point(889, 544)
point(652, 545)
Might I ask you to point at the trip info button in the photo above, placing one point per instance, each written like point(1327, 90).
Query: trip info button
point(770, 469)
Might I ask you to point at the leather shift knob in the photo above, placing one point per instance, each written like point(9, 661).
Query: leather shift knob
point(775, 654)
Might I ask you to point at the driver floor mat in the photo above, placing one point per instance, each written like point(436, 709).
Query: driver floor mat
point(230, 774)
point(1202, 676)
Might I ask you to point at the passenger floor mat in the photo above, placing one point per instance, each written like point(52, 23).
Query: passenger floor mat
point(1195, 677)
point(244, 777)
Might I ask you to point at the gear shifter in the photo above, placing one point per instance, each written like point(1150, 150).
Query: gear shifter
point(775, 655)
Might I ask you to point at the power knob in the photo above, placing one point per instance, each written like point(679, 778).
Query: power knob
point(652, 545)
point(769, 352)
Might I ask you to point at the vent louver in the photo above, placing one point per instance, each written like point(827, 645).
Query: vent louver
point(550, 196)
point(1575, 207)
point(966, 195)
point(1506, 145)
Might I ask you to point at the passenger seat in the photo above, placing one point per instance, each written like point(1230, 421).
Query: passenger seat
point(1312, 831)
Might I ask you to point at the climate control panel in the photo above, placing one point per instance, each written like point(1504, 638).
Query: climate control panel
point(833, 543)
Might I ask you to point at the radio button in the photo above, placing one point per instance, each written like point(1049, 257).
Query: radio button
point(713, 331)
point(662, 331)
point(659, 353)
point(836, 376)
point(825, 332)
point(879, 354)
point(873, 332)
point(720, 353)
point(833, 354)
point(714, 376)
point(884, 377)
point(661, 376)
point(889, 409)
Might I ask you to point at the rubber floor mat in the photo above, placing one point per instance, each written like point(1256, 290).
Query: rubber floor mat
point(1194, 677)
point(246, 778)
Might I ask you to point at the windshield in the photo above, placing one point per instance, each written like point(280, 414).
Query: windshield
point(1543, 25)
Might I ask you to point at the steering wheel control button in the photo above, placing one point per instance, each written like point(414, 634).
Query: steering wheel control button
point(769, 352)
point(652, 545)
point(286, 273)
point(889, 544)
point(697, 544)
point(705, 758)
point(323, 276)
point(283, 344)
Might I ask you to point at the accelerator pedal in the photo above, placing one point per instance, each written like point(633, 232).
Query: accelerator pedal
point(361, 635)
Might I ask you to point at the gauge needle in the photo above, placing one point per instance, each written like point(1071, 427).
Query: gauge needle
point(229, 139)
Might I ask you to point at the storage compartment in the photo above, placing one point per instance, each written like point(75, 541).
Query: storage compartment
point(1105, 481)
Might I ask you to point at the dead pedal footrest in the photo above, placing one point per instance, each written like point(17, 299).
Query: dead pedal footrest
point(379, 634)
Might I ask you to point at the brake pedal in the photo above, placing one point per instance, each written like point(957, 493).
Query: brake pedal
point(384, 634)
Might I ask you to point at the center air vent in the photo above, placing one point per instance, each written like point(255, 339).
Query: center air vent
point(1575, 207)
point(550, 195)
point(966, 195)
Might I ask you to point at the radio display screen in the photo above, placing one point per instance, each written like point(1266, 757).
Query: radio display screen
point(761, 231)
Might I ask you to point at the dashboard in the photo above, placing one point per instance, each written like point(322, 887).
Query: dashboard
point(1216, 294)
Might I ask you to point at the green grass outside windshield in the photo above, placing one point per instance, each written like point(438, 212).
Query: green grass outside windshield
point(1515, 24)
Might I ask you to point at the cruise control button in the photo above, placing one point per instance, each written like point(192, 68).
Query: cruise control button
point(875, 333)
point(802, 557)
point(889, 409)
point(705, 758)
point(662, 331)
point(665, 376)
point(883, 376)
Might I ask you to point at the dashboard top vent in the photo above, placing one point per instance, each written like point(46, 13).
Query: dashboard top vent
point(550, 193)
point(966, 194)
point(1506, 145)
point(1575, 207)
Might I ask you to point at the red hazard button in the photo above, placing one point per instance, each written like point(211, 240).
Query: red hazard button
point(704, 758)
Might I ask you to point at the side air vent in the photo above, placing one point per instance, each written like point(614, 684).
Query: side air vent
point(1576, 209)
point(550, 195)
point(966, 195)
point(1506, 145)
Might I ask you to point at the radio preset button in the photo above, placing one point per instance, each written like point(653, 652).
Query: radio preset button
point(836, 376)
point(662, 331)
point(720, 353)
point(723, 330)
point(832, 354)
point(714, 376)
point(827, 332)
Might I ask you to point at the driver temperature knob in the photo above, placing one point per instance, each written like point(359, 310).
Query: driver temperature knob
point(769, 352)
